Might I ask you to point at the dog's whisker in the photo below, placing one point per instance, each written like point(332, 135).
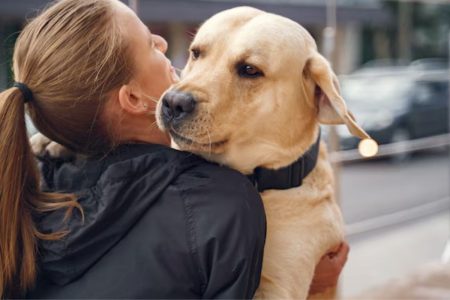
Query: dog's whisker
point(210, 143)
point(154, 124)
point(209, 134)
point(267, 142)
point(191, 34)
point(154, 99)
point(178, 71)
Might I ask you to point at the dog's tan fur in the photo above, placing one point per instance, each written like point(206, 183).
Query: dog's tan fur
point(268, 121)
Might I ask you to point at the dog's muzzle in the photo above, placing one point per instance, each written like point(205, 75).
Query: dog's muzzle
point(177, 106)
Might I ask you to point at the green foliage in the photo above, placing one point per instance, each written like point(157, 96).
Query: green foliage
point(429, 32)
point(431, 27)
point(8, 36)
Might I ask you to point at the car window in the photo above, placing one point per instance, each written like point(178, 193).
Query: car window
point(422, 94)
point(431, 93)
point(440, 90)
point(376, 92)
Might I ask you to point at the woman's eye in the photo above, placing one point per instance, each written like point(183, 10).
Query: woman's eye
point(195, 53)
point(249, 71)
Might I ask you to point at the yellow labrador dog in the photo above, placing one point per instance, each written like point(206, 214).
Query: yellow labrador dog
point(252, 96)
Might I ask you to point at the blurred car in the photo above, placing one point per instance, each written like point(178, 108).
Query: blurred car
point(379, 65)
point(429, 64)
point(396, 105)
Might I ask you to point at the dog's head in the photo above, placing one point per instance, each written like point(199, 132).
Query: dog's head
point(253, 92)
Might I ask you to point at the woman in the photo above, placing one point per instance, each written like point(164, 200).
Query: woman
point(136, 219)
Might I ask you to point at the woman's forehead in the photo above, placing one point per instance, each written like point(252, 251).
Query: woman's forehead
point(130, 23)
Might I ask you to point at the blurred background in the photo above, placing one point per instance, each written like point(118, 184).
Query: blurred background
point(392, 58)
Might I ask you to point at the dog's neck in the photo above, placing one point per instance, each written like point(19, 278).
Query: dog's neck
point(289, 176)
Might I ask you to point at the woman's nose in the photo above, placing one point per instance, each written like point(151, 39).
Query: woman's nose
point(160, 42)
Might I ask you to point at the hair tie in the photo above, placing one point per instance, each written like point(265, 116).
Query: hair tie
point(25, 90)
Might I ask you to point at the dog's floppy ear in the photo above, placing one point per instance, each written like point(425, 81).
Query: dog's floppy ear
point(330, 105)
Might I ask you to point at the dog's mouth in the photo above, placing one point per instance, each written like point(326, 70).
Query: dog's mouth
point(189, 144)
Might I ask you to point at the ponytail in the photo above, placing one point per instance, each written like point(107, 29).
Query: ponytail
point(66, 73)
point(21, 199)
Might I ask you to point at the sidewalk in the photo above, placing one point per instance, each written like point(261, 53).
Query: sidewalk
point(428, 282)
point(399, 263)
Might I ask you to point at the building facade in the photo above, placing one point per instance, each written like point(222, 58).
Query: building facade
point(177, 20)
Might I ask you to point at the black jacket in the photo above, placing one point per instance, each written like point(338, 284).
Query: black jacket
point(158, 223)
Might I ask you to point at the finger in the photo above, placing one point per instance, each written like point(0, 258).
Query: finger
point(345, 247)
point(343, 250)
point(335, 249)
point(38, 143)
point(342, 254)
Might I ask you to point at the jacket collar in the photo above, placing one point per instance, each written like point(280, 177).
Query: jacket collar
point(289, 176)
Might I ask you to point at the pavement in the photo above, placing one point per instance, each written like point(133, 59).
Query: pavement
point(399, 262)
point(431, 281)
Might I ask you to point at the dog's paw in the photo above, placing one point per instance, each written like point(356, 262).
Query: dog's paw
point(56, 150)
point(42, 145)
point(38, 143)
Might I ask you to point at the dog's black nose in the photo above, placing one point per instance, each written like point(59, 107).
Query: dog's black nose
point(177, 105)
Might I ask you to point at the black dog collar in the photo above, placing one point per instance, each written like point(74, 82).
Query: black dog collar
point(289, 176)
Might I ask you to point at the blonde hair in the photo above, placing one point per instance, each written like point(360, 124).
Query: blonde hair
point(71, 56)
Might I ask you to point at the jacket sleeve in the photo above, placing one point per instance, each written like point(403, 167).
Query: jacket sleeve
point(226, 232)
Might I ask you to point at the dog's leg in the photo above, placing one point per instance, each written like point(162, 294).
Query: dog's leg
point(302, 224)
point(289, 262)
point(288, 265)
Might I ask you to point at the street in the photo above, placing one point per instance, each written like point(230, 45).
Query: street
point(376, 192)
point(398, 221)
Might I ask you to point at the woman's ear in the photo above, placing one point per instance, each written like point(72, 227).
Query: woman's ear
point(132, 102)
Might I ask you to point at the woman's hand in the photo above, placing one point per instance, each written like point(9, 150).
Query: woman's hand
point(328, 269)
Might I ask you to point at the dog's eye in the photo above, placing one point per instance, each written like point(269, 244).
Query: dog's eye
point(249, 71)
point(195, 53)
